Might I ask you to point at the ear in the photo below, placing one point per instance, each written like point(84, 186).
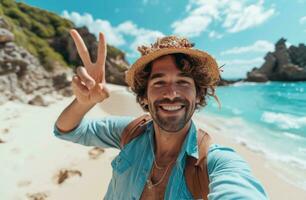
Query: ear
point(145, 100)
point(197, 99)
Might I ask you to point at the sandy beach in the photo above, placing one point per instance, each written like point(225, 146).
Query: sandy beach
point(31, 158)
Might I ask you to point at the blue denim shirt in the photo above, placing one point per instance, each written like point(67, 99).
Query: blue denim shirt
point(230, 176)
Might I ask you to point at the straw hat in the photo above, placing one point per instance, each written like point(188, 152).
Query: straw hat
point(170, 45)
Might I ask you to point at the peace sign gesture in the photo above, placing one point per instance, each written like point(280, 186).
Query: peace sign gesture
point(89, 83)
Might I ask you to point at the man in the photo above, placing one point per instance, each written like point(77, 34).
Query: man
point(171, 80)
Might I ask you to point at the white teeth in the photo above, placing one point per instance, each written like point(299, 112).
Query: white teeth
point(171, 108)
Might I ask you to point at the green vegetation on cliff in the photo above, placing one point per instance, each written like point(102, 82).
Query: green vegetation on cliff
point(38, 30)
point(33, 27)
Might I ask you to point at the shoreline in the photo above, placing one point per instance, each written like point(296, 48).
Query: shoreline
point(262, 168)
point(288, 168)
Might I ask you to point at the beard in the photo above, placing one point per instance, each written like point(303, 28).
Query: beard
point(172, 123)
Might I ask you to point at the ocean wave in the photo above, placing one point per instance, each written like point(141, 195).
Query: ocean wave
point(292, 160)
point(250, 145)
point(302, 150)
point(284, 121)
point(282, 149)
point(293, 136)
point(234, 111)
point(241, 83)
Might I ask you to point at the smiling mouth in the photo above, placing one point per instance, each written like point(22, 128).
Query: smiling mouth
point(172, 108)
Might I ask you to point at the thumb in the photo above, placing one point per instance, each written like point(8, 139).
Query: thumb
point(104, 90)
point(85, 77)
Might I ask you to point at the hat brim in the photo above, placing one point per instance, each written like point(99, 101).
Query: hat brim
point(202, 57)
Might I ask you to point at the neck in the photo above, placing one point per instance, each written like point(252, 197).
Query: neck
point(168, 144)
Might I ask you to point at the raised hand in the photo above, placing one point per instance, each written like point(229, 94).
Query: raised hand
point(89, 85)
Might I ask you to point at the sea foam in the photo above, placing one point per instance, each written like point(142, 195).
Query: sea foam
point(284, 121)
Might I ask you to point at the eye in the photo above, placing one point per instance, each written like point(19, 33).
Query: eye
point(159, 83)
point(183, 82)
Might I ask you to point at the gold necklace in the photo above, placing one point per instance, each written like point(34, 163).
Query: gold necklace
point(150, 184)
point(158, 167)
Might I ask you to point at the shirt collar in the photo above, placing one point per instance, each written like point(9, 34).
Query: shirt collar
point(190, 146)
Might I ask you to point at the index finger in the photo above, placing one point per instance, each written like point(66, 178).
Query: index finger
point(101, 49)
point(81, 47)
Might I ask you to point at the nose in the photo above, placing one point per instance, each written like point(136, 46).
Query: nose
point(170, 92)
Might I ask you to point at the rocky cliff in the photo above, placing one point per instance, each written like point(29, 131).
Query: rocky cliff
point(284, 64)
point(22, 77)
point(37, 54)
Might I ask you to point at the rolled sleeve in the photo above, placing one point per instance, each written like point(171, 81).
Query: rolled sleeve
point(231, 177)
point(105, 132)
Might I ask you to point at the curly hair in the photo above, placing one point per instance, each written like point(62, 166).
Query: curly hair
point(187, 65)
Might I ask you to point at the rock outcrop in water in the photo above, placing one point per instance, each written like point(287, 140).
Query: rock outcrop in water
point(38, 56)
point(284, 64)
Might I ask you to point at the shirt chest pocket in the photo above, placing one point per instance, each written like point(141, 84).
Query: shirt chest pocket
point(120, 179)
point(120, 164)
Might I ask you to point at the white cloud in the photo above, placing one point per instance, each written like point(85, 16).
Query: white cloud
point(191, 26)
point(115, 35)
point(208, 8)
point(240, 17)
point(96, 26)
point(78, 19)
point(144, 39)
point(127, 27)
point(258, 46)
point(239, 62)
point(233, 16)
point(303, 20)
point(215, 35)
point(288, 44)
point(142, 36)
point(238, 68)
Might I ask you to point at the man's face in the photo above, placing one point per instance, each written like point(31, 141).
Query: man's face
point(171, 95)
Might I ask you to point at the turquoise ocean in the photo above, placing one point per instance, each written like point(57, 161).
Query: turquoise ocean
point(269, 118)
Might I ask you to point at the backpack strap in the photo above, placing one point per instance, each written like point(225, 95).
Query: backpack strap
point(196, 173)
point(134, 129)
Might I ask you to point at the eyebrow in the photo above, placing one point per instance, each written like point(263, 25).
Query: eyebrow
point(184, 74)
point(156, 75)
point(159, 75)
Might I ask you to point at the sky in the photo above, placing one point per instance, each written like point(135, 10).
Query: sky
point(237, 33)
